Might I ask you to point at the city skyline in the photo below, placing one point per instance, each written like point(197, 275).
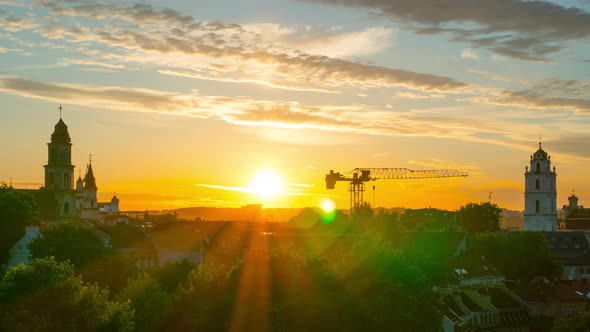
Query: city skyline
point(193, 105)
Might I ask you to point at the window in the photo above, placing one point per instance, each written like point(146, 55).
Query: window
point(66, 208)
point(537, 183)
point(53, 154)
point(537, 206)
point(538, 168)
point(51, 178)
point(66, 184)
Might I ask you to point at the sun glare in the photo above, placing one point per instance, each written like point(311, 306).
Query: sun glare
point(267, 184)
point(327, 205)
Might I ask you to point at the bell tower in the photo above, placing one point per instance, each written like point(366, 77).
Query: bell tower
point(540, 195)
point(59, 171)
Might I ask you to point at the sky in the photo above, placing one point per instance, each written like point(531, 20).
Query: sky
point(187, 103)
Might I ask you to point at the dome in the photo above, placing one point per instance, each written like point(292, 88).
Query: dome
point(540, 154)
point(60, 133)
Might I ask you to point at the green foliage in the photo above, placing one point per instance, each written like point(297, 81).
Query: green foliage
point(149, 300)
point(480, 218)
point(47, 203)
point(371, 286)
point(521, 255)
point(112, 270)
point(79, 244)
point(48, 296)
point(173, 275)
point(16, 208)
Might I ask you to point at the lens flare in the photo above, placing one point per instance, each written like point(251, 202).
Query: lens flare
point(328, 209)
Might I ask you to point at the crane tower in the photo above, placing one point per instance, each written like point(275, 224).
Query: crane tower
point(358, 176)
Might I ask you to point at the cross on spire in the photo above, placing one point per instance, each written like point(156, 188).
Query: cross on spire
point(540, 141)
point(90, 158)
point(60, 111)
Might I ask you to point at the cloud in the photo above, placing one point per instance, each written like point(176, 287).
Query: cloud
point(360, 119)
point(492, 76)
point(526, 30)
point(93, 63)
point(248, 112)
point(331, 42)
point(169, 38)
point(534, 100)
point(469, 53)
point(411, 95)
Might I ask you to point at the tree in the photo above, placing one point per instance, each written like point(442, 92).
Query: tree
point(173, 275)
point(47, 203)
point(508, 251)
point(149, 300)
point(16, 209)
point(79, 244)
point(480, 218)
point(48, 296)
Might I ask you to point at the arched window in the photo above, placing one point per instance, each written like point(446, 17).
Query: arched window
point(538, 168)
point(66, 178)
point(537, 206)
point(537, 183)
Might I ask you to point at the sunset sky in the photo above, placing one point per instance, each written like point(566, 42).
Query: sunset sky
point(183, 103)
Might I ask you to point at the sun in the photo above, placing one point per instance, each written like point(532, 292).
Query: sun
point(267, 184)
point(327, 205)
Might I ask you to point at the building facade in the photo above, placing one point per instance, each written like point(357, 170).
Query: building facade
point(59, 171)
point(86, 195)
point(540, 195)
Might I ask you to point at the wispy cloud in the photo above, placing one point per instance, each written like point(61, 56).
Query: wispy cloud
point(469, 53)
point(525, 30)
point(185, 43)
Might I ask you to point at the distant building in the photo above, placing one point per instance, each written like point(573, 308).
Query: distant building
point(86, 191)
point(575, 217)
point(80, 202)
point(540, 195)
point(59, 171)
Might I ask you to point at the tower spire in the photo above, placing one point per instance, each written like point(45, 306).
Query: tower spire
point(540, 141)
point(60, 111)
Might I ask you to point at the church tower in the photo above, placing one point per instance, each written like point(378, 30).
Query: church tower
point(59, 171)
point(540, 195)
point(88, 193)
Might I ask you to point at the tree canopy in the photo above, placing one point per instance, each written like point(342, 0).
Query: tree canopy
point(480, 217)
point(16, 208)
point(69, 241)
point(48, 296)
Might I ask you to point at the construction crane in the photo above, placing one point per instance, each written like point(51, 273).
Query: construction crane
point(358, 176)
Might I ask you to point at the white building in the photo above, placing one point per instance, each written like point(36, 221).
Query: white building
point(19, 253)
point(540, 194)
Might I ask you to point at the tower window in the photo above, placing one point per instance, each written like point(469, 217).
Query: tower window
point(537, 183)
point(537, 206)
point(66, 208)
point(51, 178)
point(538, 168)
point(53, 154)
point(66, 184)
